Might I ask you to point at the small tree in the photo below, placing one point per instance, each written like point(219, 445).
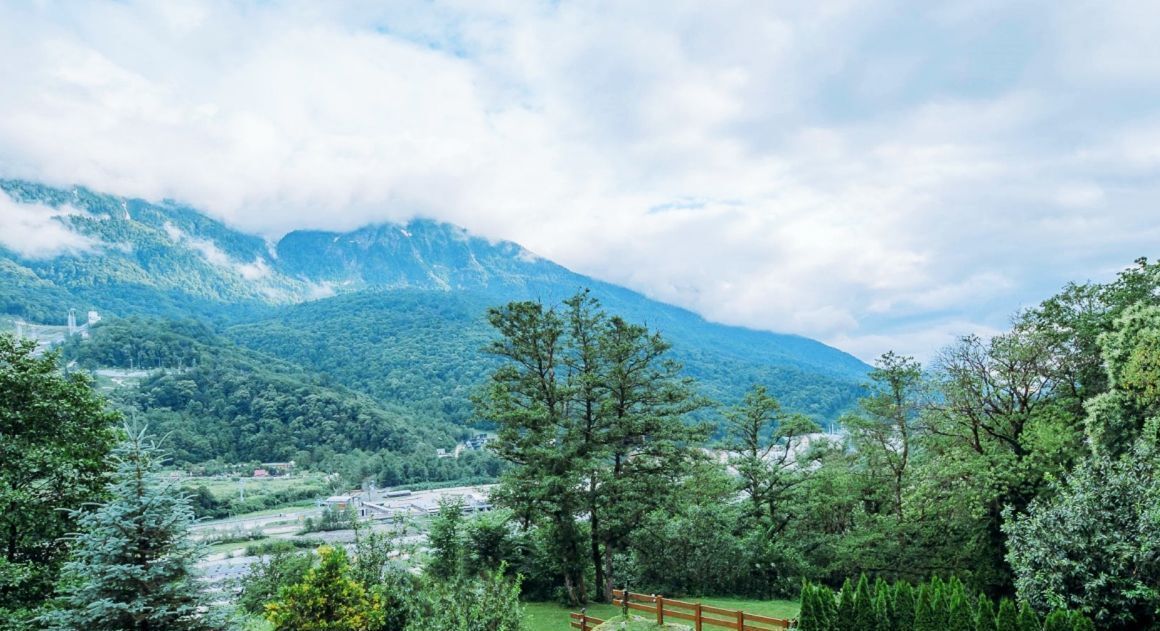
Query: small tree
point(447, 539)
point(1008, 617)
point(1028, 619)
point(328, 599)
point(489, 603)
point(903, 606)
point(133, 564)
point(864, 613)
point(1058, 620)
point(961, 613)
point(268, 576)
point(985, 616)
point(847, 608)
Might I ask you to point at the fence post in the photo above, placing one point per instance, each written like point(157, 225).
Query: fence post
point(740, 620)
point(697, 617)
point(583, 619)
point(660, 609)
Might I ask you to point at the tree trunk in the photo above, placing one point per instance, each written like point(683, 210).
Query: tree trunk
point(609, 583)
point(596, 564)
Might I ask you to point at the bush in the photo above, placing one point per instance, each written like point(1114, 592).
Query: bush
point(938, 606)
point(282, 545)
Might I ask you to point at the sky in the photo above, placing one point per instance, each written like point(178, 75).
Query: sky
point(877, 175)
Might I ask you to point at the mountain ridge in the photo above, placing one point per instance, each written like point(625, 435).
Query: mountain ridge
point(169, 260)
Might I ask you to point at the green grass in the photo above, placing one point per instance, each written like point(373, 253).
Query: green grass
point(554, 617)
point(635, 623)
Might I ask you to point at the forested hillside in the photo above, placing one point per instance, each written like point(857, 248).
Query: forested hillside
point(216, 401)
point(424, 350)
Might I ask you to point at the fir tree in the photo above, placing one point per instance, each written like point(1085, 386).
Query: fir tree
point(864, 614)
point(132, 565)
point(985, 616)
point(939, 604)
point(807, 614)
point(903, 606)
point(884, 610)
point(960, 613)
point(1058, 620)
point(1028, 619)
point(813, 616)
point(924, 618)
point(1008, 618)
point(847, 617)
point(827, 604)
point(1080, 622)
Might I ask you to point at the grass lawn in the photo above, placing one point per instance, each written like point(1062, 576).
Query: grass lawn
point(554, 617)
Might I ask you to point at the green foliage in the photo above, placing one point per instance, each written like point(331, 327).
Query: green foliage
point(216, 401)
point(960, 613)
point(446, 538)
point(489, 603)
point(268, 576)
point(904, 606)
point(281, 546)
point(133, 564)
point(1007, 617)
point(865, 616)
point(1028, 619)
point(593, 414)
point(985, 614)
point(847, 616)
point(1057, 620)
point(935, 605)
point(327, 599)
point(55, 434)
point(332, 518)
point(1091, 546)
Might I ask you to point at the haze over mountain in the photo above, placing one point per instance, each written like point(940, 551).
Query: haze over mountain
point(389, 309)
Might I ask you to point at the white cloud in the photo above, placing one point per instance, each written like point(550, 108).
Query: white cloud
point(37, 232)
point(842, 171)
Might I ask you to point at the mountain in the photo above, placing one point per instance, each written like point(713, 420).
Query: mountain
point(394, 311)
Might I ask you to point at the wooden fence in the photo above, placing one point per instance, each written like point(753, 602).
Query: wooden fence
point(700, 615)
point(585, 622)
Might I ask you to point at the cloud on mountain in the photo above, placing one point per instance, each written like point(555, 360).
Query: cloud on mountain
point(868, 172)
point(38, 232)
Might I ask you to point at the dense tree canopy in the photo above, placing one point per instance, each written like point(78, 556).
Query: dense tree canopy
point(54, 435)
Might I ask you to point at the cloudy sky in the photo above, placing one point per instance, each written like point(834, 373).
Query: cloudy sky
point(874, 174)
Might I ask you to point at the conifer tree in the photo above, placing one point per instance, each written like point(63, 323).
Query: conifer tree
point(864, 614)
point(903, 606)
point(813, 616)
point(847, 617)
point(132, 565)
point(939, 603)
point(827, 604)
point(1080, 622)
point(985, 616)
point(1028, 619)
point(807, 615)
point(1058, 620)
point(961, 613)
point(884, 610)
point(924, 618)
point(1008, 617)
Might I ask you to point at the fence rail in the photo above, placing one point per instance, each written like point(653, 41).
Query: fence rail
point(585, 622)
point(699, 614)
